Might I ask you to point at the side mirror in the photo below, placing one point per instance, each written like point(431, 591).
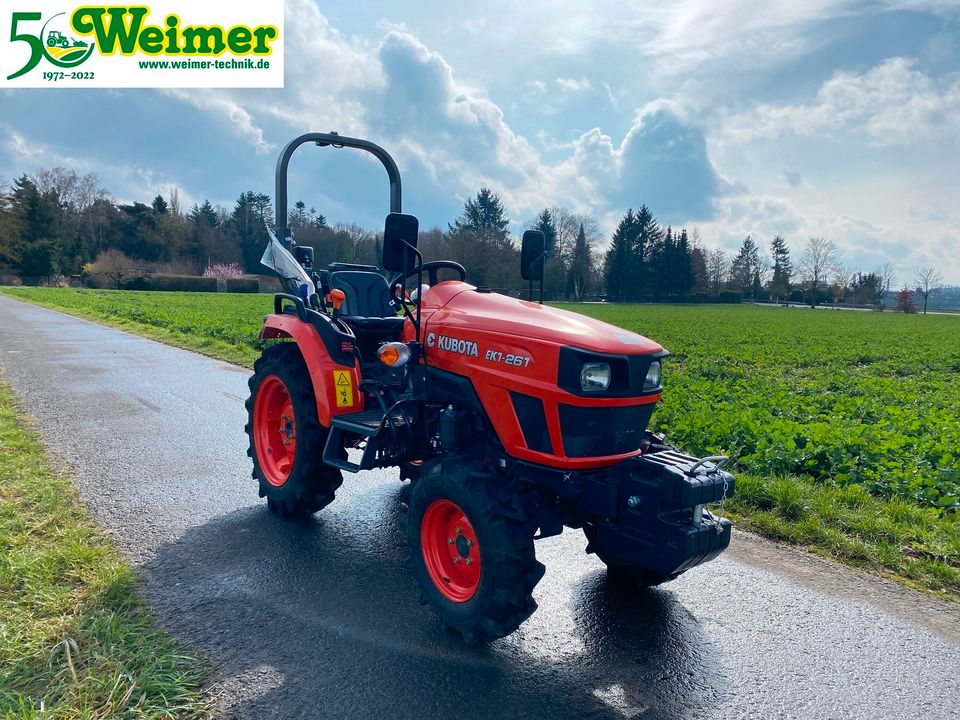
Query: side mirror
point(304, 256)
point(397, 230)
point(531, 255)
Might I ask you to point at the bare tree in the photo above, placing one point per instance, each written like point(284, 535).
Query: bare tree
point(73, 191)
point(568, 225)
point(841, 277)
point(174, 202)
point(928, 280)
point(887, 275)
point(717, 266)
point(114, 265)
point(817, 264)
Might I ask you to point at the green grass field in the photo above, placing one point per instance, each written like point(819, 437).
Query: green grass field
point(845, 426)
point(75, 639)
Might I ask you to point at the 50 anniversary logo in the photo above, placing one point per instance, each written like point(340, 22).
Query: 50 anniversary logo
point(140, 46)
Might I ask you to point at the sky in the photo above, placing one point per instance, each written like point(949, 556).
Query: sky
point(828, 118)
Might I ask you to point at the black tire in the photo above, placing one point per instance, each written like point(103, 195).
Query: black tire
point(311, 484)
point(509, 568)
point(620, 571)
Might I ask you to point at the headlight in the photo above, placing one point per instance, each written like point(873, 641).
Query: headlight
point(653, 376)
point(595, 377)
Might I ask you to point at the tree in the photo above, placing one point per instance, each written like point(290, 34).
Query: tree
point(717, 269)
point(9, 236)
point(619, 261)
point(546, 225)
point(841, 279)
point(684, 277)
point(904, 300)
point(887, 276)
point(659, 264)
point(248, 229)
point(223, 271)
point(299, 217)
point(928, 280)
point(555, 274)
point(698, 263)
point(204, 214)
point(818, 261)
point(112, 265)
point(867, 289)
point(581, 266)
point(160, 206)
point(782, 268)
point(38, 216)
point(745, 268)
point(480, 238)
point(483, 216)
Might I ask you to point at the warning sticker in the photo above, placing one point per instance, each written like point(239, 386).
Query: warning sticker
point(343, 386)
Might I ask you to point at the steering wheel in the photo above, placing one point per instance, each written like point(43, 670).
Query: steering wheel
point(430, 270)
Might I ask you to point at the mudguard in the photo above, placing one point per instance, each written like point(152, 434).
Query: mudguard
point(335, 384)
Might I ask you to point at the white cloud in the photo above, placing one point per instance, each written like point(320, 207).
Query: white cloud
point(129, 182)
point(863, 244)
point(573, 84)
point(891, 104)
point(408, 98)
point(235, 115)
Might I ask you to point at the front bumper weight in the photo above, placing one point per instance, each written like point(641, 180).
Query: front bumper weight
point(656, 499)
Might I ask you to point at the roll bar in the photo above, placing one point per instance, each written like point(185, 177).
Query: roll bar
point(323, 140)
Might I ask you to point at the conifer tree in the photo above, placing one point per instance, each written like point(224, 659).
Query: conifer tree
point(782, 268)
point(619, 265)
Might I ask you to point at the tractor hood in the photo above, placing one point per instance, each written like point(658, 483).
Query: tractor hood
point(457, 305)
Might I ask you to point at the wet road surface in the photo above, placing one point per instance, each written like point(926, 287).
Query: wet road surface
point(319, 618)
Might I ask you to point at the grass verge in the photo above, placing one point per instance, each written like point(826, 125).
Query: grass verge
point(914, 545)
point(75, 639)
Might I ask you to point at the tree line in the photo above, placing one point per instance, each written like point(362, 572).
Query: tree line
point(57, 223)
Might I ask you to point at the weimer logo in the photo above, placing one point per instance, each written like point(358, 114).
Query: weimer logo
point(140, 46)
point(53, 43)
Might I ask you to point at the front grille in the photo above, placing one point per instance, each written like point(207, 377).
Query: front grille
point(599, 431)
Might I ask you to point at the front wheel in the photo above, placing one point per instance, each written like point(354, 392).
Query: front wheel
point(286, 437)
point(471, 552)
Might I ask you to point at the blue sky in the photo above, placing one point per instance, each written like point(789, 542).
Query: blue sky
point(829, 118)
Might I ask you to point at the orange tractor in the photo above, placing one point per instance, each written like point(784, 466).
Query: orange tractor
point(511, 420)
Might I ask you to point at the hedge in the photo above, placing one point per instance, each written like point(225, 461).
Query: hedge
point(184, 283)
point(243, 285)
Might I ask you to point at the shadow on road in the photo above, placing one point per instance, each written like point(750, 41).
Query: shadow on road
point(319, 619)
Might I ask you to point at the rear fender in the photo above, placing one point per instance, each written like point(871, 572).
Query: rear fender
point(336, 393)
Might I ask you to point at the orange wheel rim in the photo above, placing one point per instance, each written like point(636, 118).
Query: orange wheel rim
point(450, 550)
point(274, 430)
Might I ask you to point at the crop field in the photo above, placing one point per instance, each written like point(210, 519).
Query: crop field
point(844, 426)
point(847, 398)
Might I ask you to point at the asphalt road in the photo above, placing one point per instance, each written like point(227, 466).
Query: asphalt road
point(320, 618)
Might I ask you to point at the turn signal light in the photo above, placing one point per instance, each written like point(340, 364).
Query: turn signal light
point(394, 354)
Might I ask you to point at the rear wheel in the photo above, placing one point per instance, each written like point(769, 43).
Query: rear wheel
point(471, 552)
point(619, 570)
point(286, 437)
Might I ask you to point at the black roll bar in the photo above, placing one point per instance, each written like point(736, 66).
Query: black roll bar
point(323, 140)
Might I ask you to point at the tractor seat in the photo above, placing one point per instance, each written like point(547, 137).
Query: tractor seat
point(367, 305)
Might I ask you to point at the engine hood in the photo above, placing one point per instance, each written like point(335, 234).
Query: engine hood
point(460, 305)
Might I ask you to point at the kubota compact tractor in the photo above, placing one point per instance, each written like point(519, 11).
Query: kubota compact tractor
point(510, 419)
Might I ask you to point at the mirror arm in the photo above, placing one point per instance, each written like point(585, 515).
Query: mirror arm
point(403, 282)
point(543, 271)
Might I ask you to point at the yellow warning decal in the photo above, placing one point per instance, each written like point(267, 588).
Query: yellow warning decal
point(343, 386)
